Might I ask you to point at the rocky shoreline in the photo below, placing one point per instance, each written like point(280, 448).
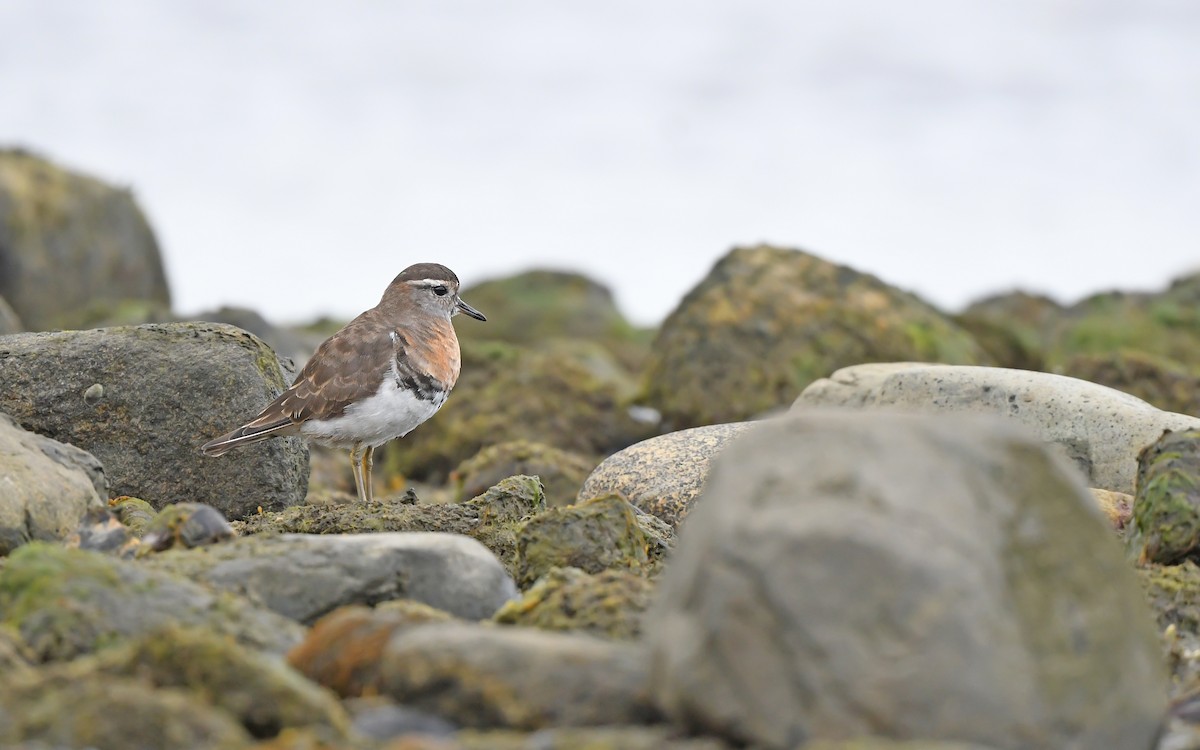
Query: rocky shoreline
point(809, 511)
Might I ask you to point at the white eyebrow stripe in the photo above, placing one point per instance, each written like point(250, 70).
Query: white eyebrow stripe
point(428, 282)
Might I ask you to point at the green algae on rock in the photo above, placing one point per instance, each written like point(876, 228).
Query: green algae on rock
point(597, 534)
point(1166, 505)
point(561, 472)
point(609, 603)
point(65, 603)
point(767, 321)
point(263, 692)
point(112, 713)
point(510, 393)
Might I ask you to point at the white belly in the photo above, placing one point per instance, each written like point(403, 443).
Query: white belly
point(391, 413)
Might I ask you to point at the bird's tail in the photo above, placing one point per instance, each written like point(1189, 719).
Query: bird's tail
point(243, 435)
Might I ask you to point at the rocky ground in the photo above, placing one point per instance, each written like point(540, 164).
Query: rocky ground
point(811, 510)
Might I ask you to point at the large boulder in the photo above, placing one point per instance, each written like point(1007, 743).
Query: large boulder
point(46, 487)
point(907, 576)
point(143, 399)
point(69, 602)
point(306, 576)
point(508, 393)
point(69, 242)
point(1101, 430)
point(664, 474)
point(767, 321)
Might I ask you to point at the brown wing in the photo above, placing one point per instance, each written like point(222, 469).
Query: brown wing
point(347, 367)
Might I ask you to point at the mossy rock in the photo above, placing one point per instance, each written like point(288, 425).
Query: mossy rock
point(768, 321)
point(508, 393)
point(265, 694)
point(609, 603)
point(67, 602)
point(1173, 592)
point(536, 306)
point(111, 713)
point(1166, 506)
point(491, 518)
point(562, 473)
point(1004, 342)
point(134, 512)
point(1028, 319)
point(1161, 382)
point(69, 242)
point(597, 534)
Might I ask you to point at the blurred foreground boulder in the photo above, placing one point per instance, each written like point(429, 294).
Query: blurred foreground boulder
point(767, 321)
point(70, 244)
point(903, 576)
point(143, 399)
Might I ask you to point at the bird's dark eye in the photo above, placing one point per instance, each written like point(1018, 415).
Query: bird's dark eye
point(440, 290)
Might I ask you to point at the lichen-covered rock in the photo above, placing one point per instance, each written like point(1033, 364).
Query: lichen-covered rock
point(69, 241)
point(561, 472)
point(1165, 324)
point(1004, 344)
point(264, 693)
point(844, 567)
point(1161, 382)
point(521, 678)
point(110, 713)
point(1166, 506)
point(663, 475)
point(491, 518)
point(46, 487)
point(342, 651)
point(1117, 507)
point(510, 393)
point(9, 322)
point(134, 512)
point(66, 602)
point(15, 659)
point(609, 603)
point(1099, 429)
point(1173, 592)
point(594, 535)
point(1030, 319)
point(768, 321)
point(534, 307)
point(143, 399)
point(304, 576)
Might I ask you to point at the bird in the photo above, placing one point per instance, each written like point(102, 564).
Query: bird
point(376, 379)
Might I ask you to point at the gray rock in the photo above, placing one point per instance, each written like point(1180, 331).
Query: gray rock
point(908, 576)
point(9, 322)
point(304, 576)
point(68, 602)
point(662, 475)
point(46, 487)
point(142, 399)
point(70, 243)
point(481, 676)
point(1101, 430)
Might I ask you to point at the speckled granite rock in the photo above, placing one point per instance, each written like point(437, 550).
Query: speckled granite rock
point(1099, 429)
point(142, 399)
point(663, 475)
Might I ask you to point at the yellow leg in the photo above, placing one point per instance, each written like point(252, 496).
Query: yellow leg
point(356, 462)
point(368, 462)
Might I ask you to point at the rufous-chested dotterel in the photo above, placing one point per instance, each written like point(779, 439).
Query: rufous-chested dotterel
point(386, 372)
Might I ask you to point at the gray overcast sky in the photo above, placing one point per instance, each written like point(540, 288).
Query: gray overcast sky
point(294, 156)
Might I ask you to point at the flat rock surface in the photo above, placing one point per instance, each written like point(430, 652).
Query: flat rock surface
point(142, 399)
point(916, 577)
point(1101, 430)
point(304, 576)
